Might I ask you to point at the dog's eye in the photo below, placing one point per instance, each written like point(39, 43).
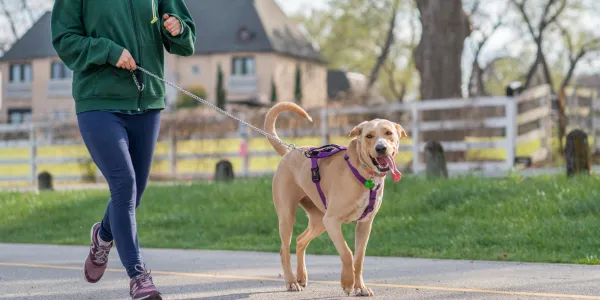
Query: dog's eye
point(388, 133)
point(369, 136)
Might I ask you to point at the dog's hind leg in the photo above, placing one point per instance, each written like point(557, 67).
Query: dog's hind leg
point(286, 204)
point(315, 229)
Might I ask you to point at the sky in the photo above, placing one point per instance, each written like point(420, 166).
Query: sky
point(293, 6)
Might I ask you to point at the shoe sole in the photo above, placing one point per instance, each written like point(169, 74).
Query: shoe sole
point(150, 297)
point(83, 269)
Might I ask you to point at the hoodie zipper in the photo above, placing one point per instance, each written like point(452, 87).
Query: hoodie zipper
point(139, 43)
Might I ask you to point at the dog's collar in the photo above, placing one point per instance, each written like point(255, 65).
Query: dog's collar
point(366, 182)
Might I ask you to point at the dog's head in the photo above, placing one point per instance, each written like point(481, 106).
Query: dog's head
point(378, 142)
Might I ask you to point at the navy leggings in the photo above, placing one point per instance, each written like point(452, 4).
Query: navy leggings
point(122, 146)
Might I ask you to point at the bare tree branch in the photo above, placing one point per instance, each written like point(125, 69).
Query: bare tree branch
point(9, 17)
point(558, 13)
point(27, 8)
point(386, 48)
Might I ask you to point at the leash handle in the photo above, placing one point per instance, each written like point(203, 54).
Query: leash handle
point(140, 86)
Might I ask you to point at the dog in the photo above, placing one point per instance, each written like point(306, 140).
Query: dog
point(371, 152)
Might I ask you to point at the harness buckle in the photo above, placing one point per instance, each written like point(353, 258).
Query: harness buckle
point(316, 175)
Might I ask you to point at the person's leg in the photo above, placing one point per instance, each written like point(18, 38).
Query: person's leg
point(143, 132)
point(106, 138)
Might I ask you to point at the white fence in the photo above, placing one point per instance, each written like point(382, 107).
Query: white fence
point(583, 112)
point(522, 119)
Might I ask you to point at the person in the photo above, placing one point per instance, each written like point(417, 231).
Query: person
point(103, 42)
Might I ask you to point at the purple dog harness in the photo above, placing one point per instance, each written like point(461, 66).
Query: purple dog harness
point(317, 153)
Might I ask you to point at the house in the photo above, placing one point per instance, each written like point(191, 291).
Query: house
point(253, 41)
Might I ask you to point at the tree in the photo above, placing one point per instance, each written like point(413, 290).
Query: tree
point(484, 28)
point(439, 54)
point(366, 36)
point(273, 92)
point(578, 45)
point(438, 57)
point(221, 93)
point(551, 10)
point(185, 101)
point(298, 87)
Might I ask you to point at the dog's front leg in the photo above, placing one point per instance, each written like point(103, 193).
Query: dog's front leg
point(363, 231)
point(334, 230)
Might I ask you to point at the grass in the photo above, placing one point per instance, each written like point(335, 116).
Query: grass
point(541, 219)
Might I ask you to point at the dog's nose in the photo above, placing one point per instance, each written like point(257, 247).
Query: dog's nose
point(381, 149)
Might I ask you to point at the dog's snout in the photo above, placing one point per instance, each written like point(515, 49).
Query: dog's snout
point(380, 149)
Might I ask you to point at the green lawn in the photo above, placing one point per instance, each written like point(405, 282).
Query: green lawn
point(542, 219)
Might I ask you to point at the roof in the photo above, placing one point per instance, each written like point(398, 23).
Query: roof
point(35, 43)
point(218, 28)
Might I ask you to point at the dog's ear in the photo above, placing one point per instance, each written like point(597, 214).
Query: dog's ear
point(400, 130)
point(357, 130)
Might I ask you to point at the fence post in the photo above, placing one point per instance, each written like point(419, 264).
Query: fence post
point(32, 153)
point(173, 152)
point(547, 124)
point(416, 137)
point(244, 147)
point(324, 126)
point(511, 132)
point(595, 123)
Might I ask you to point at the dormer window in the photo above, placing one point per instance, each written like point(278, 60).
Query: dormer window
point(244, 34)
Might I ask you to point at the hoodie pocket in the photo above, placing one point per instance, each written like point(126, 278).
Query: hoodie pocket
point(113, 82)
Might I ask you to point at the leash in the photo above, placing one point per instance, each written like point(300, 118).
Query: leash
point(141, 88)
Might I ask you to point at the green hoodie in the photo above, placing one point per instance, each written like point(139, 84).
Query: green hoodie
point(90, 36)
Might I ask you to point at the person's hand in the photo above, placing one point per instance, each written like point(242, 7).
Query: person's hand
point(172, 25)
point(126, 61)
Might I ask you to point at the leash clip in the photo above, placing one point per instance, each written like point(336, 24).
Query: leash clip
point(141, 86)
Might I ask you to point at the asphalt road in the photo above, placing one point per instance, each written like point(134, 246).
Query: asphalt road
point(54, 272)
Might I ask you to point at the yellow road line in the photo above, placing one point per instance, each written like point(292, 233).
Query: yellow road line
point(398, 286)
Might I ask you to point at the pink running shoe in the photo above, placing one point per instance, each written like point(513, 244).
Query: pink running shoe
point(142, 287)
point(97, 258)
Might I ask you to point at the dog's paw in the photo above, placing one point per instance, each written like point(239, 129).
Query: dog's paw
point(302, 283)
point(294, 287)
point(363, 292)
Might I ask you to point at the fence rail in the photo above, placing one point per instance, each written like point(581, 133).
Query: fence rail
point(519, 120)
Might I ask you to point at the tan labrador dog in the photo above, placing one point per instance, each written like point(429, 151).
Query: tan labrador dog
point(371, 152)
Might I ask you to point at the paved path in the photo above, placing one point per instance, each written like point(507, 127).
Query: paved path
point(54, 272)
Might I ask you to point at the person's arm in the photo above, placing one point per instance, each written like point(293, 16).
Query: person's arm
point(76, 50)
point(181, 44)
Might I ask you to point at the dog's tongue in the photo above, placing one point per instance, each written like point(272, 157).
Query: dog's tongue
point(389, 161)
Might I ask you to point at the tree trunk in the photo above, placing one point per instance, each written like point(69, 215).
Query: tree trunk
point(438, 59)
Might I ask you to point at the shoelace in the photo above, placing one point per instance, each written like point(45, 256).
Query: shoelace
point(101, 255)
point(142, 281)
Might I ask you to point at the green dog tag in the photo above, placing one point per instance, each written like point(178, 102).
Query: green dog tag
point(369, 184)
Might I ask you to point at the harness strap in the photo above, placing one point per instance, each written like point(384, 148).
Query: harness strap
point(372, 193)
point(317, 153)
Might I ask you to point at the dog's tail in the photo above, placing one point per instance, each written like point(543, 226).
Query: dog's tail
point(271, 119)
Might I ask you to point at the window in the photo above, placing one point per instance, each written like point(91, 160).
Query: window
point(20, 73)
point(60, 71)
point(60, 114)
point(19, 116)
point(242, 66)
